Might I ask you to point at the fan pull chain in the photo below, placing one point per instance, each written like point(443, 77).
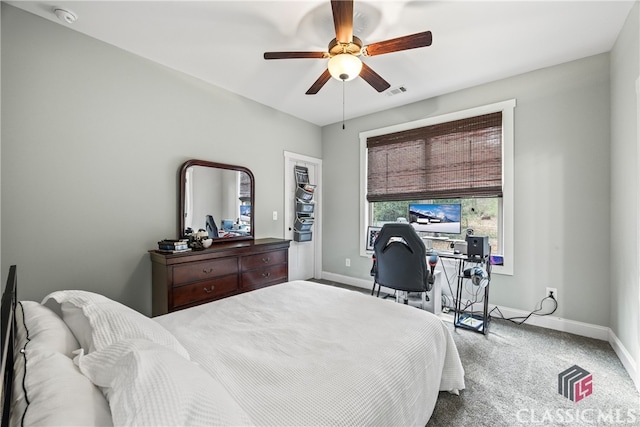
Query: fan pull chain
point(343, 105)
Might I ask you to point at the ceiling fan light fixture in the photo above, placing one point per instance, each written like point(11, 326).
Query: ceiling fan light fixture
point(345, 67)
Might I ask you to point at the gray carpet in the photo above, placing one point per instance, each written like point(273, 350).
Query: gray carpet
point(511, 378)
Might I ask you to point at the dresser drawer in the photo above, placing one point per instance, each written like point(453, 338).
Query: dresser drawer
point(204, 291)
point(204, 270)
point(258, 277)
point(263, 260)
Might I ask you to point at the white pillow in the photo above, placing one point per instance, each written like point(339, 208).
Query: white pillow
point(40, 326)
point(37, 329)
point(146, 384)
point(97, 321)
point(58, 394)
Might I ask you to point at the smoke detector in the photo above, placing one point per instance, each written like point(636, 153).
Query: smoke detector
point(65, 15)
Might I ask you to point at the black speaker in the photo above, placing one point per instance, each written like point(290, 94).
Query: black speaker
point(477, 246)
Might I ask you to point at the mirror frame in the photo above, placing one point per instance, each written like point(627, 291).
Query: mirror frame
point(204, 163)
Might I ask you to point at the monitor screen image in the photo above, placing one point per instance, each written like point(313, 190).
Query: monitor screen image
point(245, 213)
point(436, 217)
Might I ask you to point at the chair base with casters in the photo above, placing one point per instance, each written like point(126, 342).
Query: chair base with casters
point(403, 297)
point(430, 301)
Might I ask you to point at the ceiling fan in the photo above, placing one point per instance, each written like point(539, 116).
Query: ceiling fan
point(344, 50)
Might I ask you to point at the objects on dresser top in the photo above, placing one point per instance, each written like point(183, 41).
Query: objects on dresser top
point(172, 246)
point(198, 240)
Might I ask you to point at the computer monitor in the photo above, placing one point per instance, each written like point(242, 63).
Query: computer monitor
point(436, 217)
point(245, 213)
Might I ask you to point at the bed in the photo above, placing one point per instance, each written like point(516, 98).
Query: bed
point(298, 353)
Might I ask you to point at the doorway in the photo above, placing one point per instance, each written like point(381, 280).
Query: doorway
point(305, 258)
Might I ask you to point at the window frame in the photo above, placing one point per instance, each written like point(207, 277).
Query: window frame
point(505, 215)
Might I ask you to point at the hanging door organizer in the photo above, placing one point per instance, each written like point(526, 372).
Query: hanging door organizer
point(304, 206)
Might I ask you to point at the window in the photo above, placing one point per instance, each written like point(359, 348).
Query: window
point(464, 157)
point(482, 215)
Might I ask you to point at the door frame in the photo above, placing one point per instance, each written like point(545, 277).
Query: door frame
point(289, 180)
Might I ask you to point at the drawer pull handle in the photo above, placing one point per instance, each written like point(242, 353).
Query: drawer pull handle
point(265, 275)
point(207, 270)
point(266, 260)
point(209, 290)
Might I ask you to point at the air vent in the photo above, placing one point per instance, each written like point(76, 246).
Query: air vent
point(396, 90)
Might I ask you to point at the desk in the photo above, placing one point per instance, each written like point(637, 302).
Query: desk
point(466, 320)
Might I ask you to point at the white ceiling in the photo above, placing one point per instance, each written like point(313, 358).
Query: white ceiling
point(222, 42)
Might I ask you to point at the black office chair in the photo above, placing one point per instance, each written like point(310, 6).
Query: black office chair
point(400, 262)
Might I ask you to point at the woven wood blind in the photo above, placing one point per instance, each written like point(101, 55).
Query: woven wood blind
point(462, 158)
point(245, 187)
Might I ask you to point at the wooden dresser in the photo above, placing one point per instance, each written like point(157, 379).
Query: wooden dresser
point(184, 280)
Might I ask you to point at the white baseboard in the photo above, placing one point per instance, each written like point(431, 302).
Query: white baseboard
point(626, 358)
point(550, 322)
point(558, 323)
point(351, 281)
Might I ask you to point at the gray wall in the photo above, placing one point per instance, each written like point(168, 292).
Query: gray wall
point(625, 179)
point(561, 186)
point(92, 140)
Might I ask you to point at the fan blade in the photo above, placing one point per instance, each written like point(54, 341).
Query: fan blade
point(343, 19)
point(290, 55)
point(315, 87)
point(401, 43)
point(374, 78)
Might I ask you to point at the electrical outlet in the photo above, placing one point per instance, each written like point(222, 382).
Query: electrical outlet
point(275, 215)
point(552, 292)
point(347, 262)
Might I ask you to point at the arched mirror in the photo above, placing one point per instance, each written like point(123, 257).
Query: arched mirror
point(216, 198)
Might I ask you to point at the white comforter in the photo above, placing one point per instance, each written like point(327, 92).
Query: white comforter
point(302, 353)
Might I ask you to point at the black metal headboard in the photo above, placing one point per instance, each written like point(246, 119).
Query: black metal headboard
point(7, 326)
